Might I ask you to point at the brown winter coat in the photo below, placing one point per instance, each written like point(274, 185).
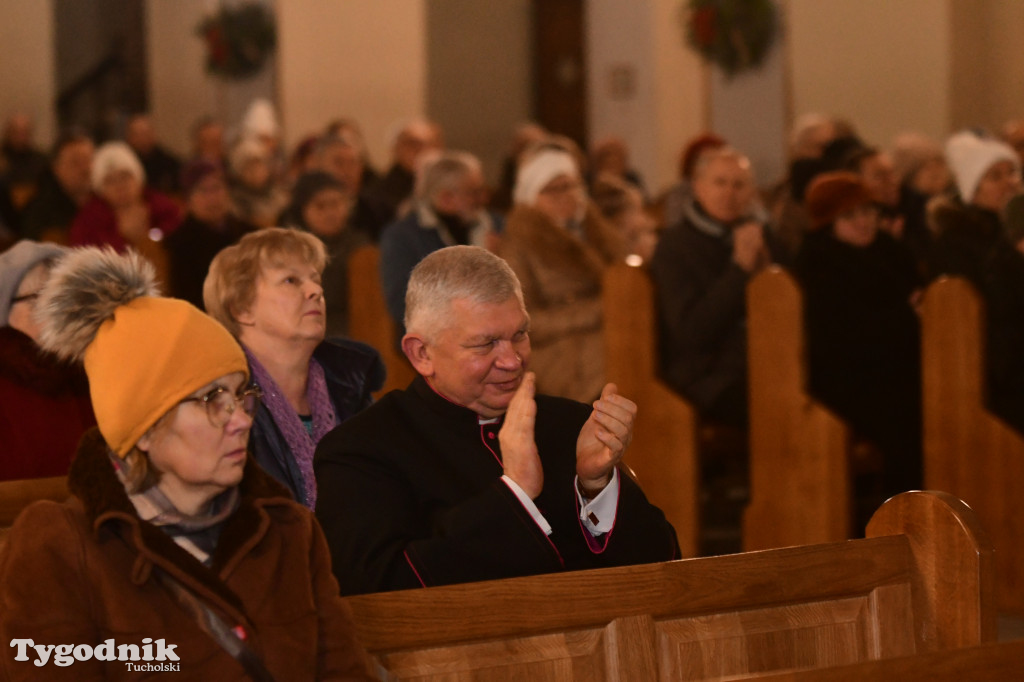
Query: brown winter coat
point(82, 572)
point(561, 278)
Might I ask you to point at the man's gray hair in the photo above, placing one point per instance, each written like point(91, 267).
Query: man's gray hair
point(444, 173)
point(454, 273)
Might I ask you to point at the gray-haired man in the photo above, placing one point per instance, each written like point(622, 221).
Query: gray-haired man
point(467, 475)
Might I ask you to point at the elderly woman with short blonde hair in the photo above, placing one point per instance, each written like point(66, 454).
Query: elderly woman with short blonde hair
point(266, 290)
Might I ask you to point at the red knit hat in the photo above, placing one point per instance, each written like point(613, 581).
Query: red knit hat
point(831, 194)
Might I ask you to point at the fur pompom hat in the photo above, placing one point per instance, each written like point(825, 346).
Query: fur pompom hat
point(970, 156)
point(142, 353)
point(831, 194)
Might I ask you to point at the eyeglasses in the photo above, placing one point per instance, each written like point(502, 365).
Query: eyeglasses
point(220, 403)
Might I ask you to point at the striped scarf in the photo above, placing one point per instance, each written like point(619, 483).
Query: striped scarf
point(198, 534)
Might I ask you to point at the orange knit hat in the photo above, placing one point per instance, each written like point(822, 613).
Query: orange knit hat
point(142, 353)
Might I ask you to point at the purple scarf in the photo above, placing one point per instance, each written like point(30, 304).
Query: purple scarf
point(301, 444)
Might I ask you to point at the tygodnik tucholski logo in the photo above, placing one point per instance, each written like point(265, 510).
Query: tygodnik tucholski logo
point(63, 655)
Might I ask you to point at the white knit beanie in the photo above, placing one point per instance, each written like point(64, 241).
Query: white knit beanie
point(538, 171)
point(260, 119)
point(970, 157)
point(112, 157)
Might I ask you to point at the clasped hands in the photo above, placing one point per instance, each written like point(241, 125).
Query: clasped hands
point(601, 443)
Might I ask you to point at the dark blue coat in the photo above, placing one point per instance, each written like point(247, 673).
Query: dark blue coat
point(353, 371)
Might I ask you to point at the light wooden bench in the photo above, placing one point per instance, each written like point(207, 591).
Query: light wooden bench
point(967, 450)
point(996, 662)
point(800, 487)
point(663, 454)
point(921, 581)
point(369, 320)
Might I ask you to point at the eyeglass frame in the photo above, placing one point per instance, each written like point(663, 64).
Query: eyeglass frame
point(237, 399)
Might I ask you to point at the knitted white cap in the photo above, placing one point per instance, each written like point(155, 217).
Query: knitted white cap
point(539, 170)
point(970, 157)
point(260, 119)
point(112, 157)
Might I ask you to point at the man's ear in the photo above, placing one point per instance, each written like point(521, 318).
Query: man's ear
point(145, 442)
point(416, 349)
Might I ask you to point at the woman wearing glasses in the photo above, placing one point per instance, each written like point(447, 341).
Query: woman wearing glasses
point(266, 290)
point(44, 402)
point(558, 246)
point(173, 542)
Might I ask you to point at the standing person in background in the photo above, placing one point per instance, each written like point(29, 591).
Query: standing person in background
point(208, 227)
point(558, 245)
point(172, 532)
point(44, 402)
point(64, 188)
point(266, 290)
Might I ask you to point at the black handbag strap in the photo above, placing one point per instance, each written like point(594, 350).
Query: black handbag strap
point(214, 625)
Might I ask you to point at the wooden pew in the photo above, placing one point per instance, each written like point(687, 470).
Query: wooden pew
point(921, 581)
point(16, 495)
point(800, 488)
point(369, 320)
point(967, 450)
point(996, 662)
point(663, 454)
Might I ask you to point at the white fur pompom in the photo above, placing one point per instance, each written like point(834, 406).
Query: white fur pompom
point(84, 289)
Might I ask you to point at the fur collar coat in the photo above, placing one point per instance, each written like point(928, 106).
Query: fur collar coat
point(561, 272)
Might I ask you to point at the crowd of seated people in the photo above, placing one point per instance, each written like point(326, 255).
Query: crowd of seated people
point(510, 355)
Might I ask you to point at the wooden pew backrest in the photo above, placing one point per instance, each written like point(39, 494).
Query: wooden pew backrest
point(967, 450)
point(802, 607)
point(663, 453)
point(994, 662)
point(369, 320)
point(799, 458)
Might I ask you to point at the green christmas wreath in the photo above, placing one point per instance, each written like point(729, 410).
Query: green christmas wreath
point(238, 40)
point(734, 34)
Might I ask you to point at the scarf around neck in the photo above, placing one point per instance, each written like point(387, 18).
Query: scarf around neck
point(301, 444)
point(197, 534)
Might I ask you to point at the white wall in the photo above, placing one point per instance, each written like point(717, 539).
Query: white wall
point(364, 59)
point(641, 43)
point(180, 92)
point(750, 111)
point(478, 74)
point(27, 67)
point(884, 64)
